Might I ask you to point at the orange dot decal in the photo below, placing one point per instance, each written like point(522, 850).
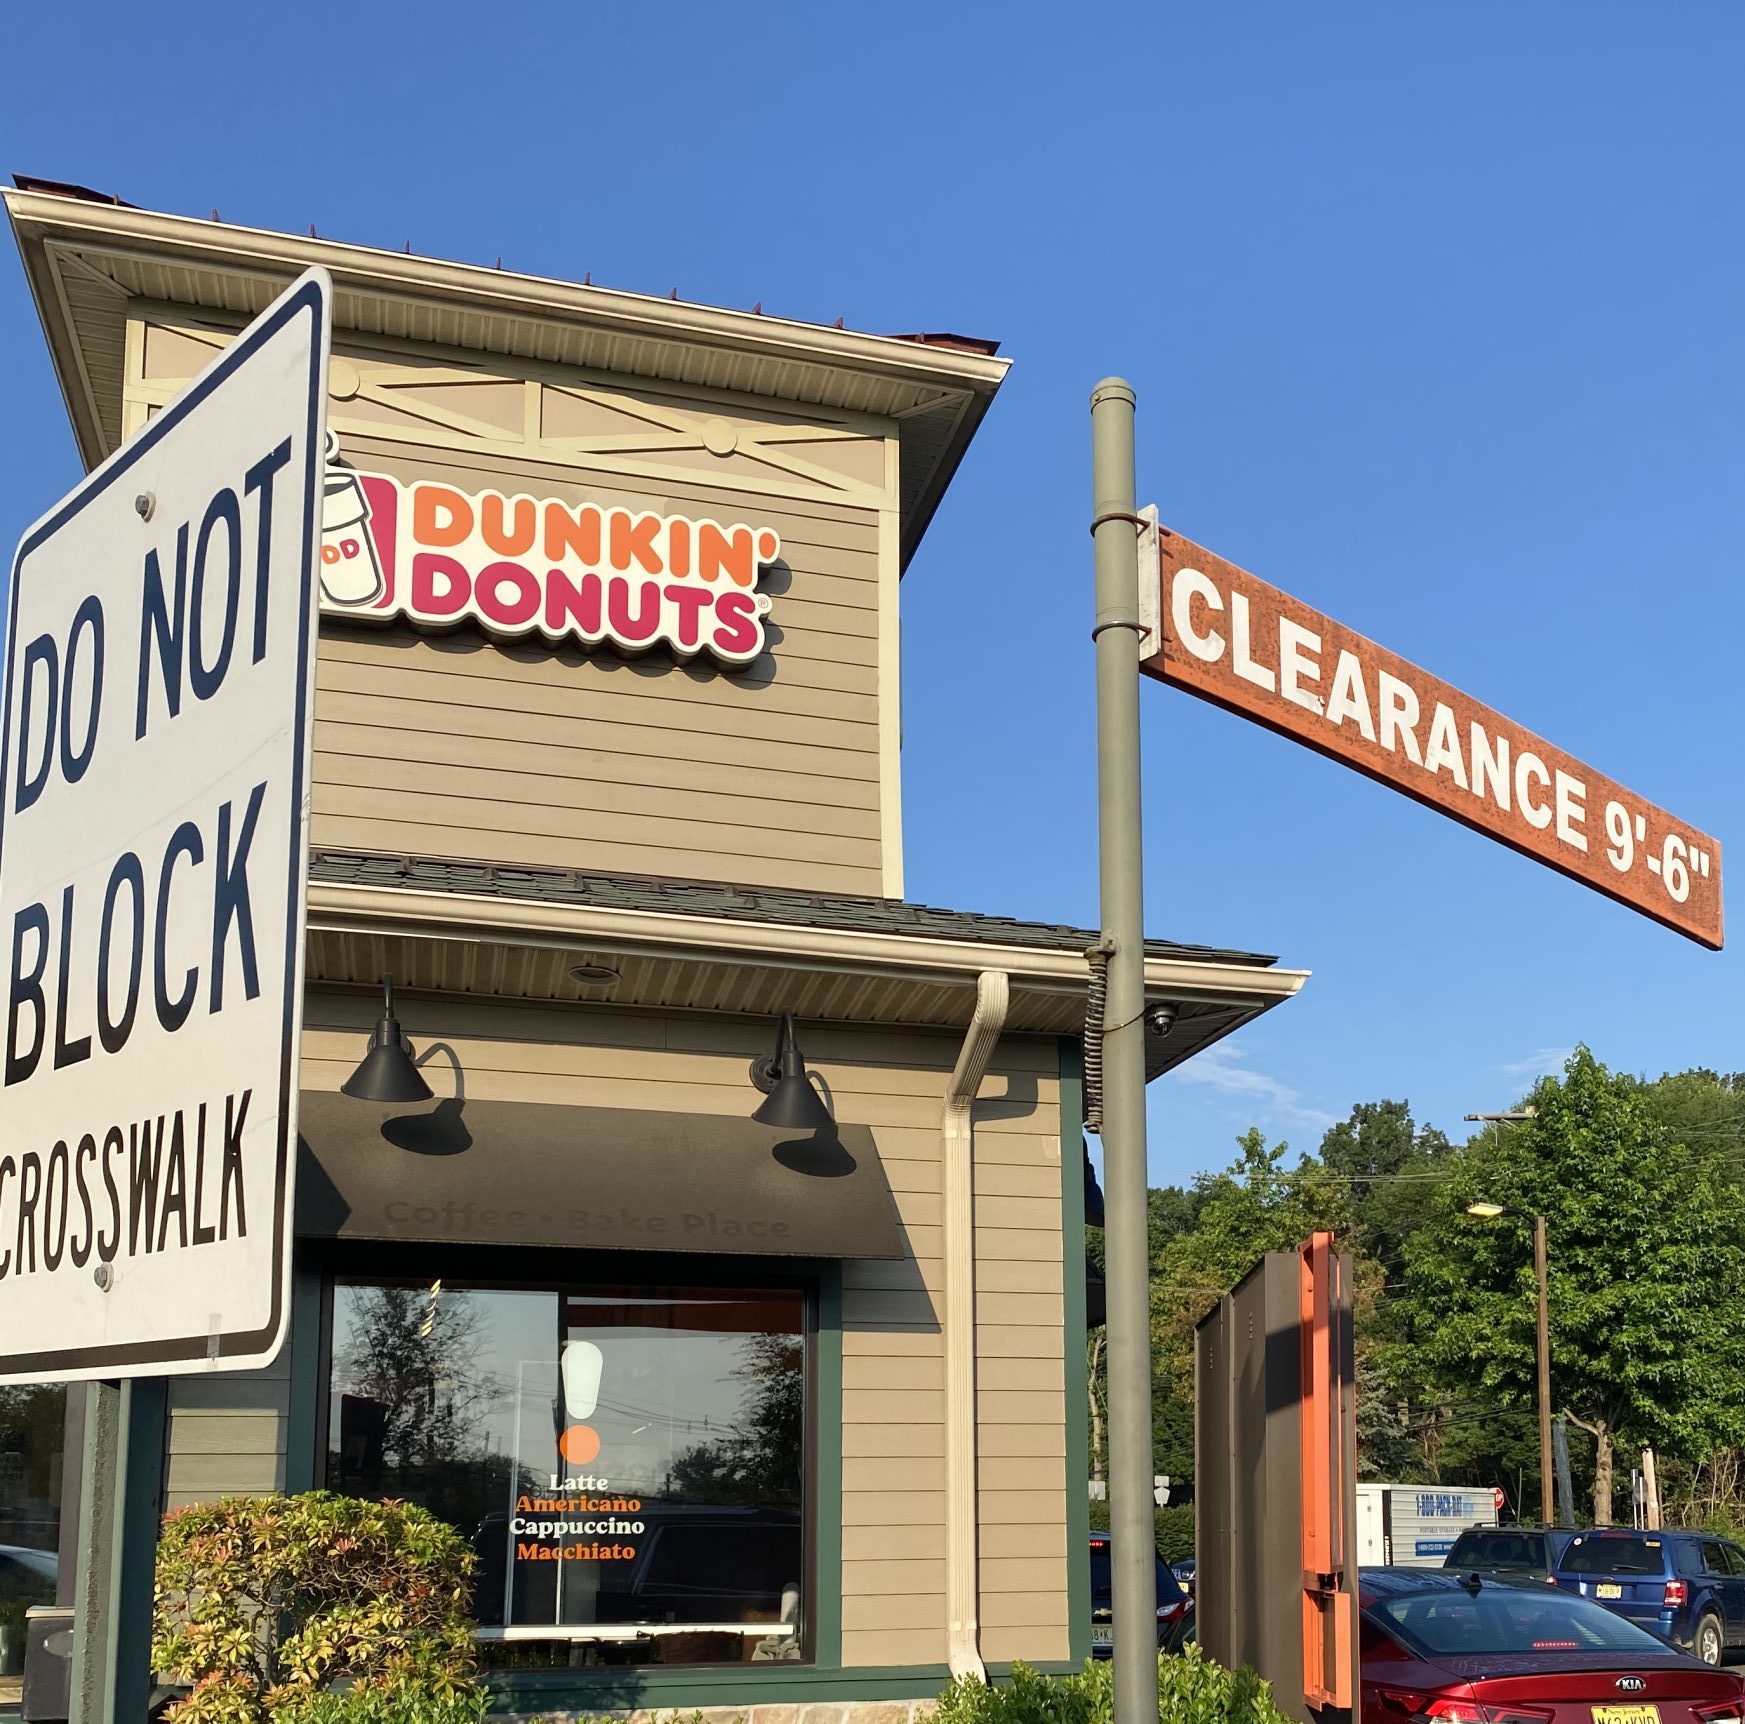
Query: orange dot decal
point(579, 1445)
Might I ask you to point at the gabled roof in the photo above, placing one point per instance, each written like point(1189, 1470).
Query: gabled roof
point(87, 254)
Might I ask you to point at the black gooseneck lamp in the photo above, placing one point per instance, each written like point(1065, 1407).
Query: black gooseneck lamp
point(386, 1072)
point(791, 1100)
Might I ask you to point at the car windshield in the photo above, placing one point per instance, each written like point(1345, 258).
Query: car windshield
point(1615, 1554)
point(1506, 1619)
point(1497, 1550)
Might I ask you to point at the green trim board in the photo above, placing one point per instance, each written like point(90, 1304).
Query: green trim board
point(1073, 1342)
point(827, 1474)
point(304, 1440)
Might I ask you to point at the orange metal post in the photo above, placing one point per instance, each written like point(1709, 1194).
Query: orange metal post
point(1327, 1600)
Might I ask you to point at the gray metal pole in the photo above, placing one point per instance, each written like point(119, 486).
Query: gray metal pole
point(1131, 1519)
point(95, 1599)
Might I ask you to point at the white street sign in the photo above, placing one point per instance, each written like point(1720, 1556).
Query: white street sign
point(154, 789)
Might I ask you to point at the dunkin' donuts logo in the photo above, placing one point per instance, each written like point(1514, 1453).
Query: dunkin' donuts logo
point(524, 565)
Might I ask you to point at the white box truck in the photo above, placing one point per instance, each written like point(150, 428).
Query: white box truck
point(1416, 1525)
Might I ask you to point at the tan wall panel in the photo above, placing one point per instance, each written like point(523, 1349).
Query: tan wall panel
point(206, 1477)
point(896, 1508)
point(1035, 1645)
point(1023, 1440)
point(564, 806)
point(1039, 1608)
point(1039, 1373)
point(228, 1432)
point(865, 1373)
point(893, 1406)
point(870, 1475)
point(1027, 1539)
point(884, 1543)
point(1020, 1473)
point(882, 1648)
point(1023, 1574)
point(629, 734)
point(581, 829)
point(1003, 1275)
point(885, 1610)
point(1004, 1507)
point(899, 1576)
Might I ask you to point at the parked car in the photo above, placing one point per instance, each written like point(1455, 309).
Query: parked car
point(1172, 1602)
point(1687, 1587)
point(1184, 1572)
point(1463, 1650)
point(1509, 1552)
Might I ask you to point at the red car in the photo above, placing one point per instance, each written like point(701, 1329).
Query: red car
point(1461, 1650)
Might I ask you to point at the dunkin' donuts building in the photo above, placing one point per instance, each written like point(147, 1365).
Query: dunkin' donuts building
point(737, 1411)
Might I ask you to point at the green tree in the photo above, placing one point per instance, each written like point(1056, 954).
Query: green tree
point(1647, 1253)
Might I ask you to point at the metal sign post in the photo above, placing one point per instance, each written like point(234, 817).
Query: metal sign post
point(1114, 530)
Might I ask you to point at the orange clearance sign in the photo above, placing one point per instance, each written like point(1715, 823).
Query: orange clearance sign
point(1220, 633)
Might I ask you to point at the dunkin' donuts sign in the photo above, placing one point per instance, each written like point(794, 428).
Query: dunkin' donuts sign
point(514, 566)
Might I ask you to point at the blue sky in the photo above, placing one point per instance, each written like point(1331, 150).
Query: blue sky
point(1434, 312)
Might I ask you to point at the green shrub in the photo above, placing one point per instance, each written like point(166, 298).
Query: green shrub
point(1190, 1690)
point(263, 1602)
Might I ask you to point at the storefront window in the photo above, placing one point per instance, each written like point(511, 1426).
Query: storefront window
point(626, 1461)
point(32, 1424)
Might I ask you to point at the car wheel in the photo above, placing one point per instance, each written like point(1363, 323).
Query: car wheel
point(1707, 1645)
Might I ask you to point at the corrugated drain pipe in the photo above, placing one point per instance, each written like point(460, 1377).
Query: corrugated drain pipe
point(957, 1147)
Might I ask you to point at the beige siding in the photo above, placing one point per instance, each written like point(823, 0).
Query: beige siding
point(450, 744)
point(226, 1434)
point(893, 1400)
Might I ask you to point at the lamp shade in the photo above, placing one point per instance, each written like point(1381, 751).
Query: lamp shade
point(386, 1072)
point(792, 1103)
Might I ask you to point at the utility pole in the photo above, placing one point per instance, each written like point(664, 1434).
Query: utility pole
point(1132, 1523)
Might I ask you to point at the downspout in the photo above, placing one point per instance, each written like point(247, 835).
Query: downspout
point(957, 1147)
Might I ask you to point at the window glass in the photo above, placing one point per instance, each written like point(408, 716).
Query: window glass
point(626, 1461)
point(32, 1422)
point(1714, 1557)
point(1613, 1553)
point(1735, 1558)
point(1497, 1550)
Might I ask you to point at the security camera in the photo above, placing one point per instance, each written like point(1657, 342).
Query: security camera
point(1160, 1019)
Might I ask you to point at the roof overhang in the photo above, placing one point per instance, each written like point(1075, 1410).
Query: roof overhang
point(524, 950)
point(87, 260)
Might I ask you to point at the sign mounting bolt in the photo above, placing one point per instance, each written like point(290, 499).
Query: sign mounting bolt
point(104, 1276)
point(144, 505)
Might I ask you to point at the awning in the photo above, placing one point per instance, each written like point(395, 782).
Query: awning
point(616, 1179)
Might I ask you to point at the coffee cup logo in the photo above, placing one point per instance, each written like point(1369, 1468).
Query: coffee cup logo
point(351, 572)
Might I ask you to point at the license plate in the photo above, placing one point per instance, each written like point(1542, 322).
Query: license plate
point(1626, 1715)
point(1610, 1589)
point(1103, 1637)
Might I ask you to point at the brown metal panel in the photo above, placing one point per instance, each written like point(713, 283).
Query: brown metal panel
point(1233, 640)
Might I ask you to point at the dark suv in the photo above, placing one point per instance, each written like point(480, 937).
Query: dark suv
point(1172, 1602)
point(1687, 1587)
point(1518, 1553)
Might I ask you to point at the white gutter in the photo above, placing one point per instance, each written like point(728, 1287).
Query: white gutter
point(957, 1148)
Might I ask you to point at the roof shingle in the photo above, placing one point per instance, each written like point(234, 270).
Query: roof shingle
point(842, 912)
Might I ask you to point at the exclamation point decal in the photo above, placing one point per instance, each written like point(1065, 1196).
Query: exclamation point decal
point(582, 1364)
